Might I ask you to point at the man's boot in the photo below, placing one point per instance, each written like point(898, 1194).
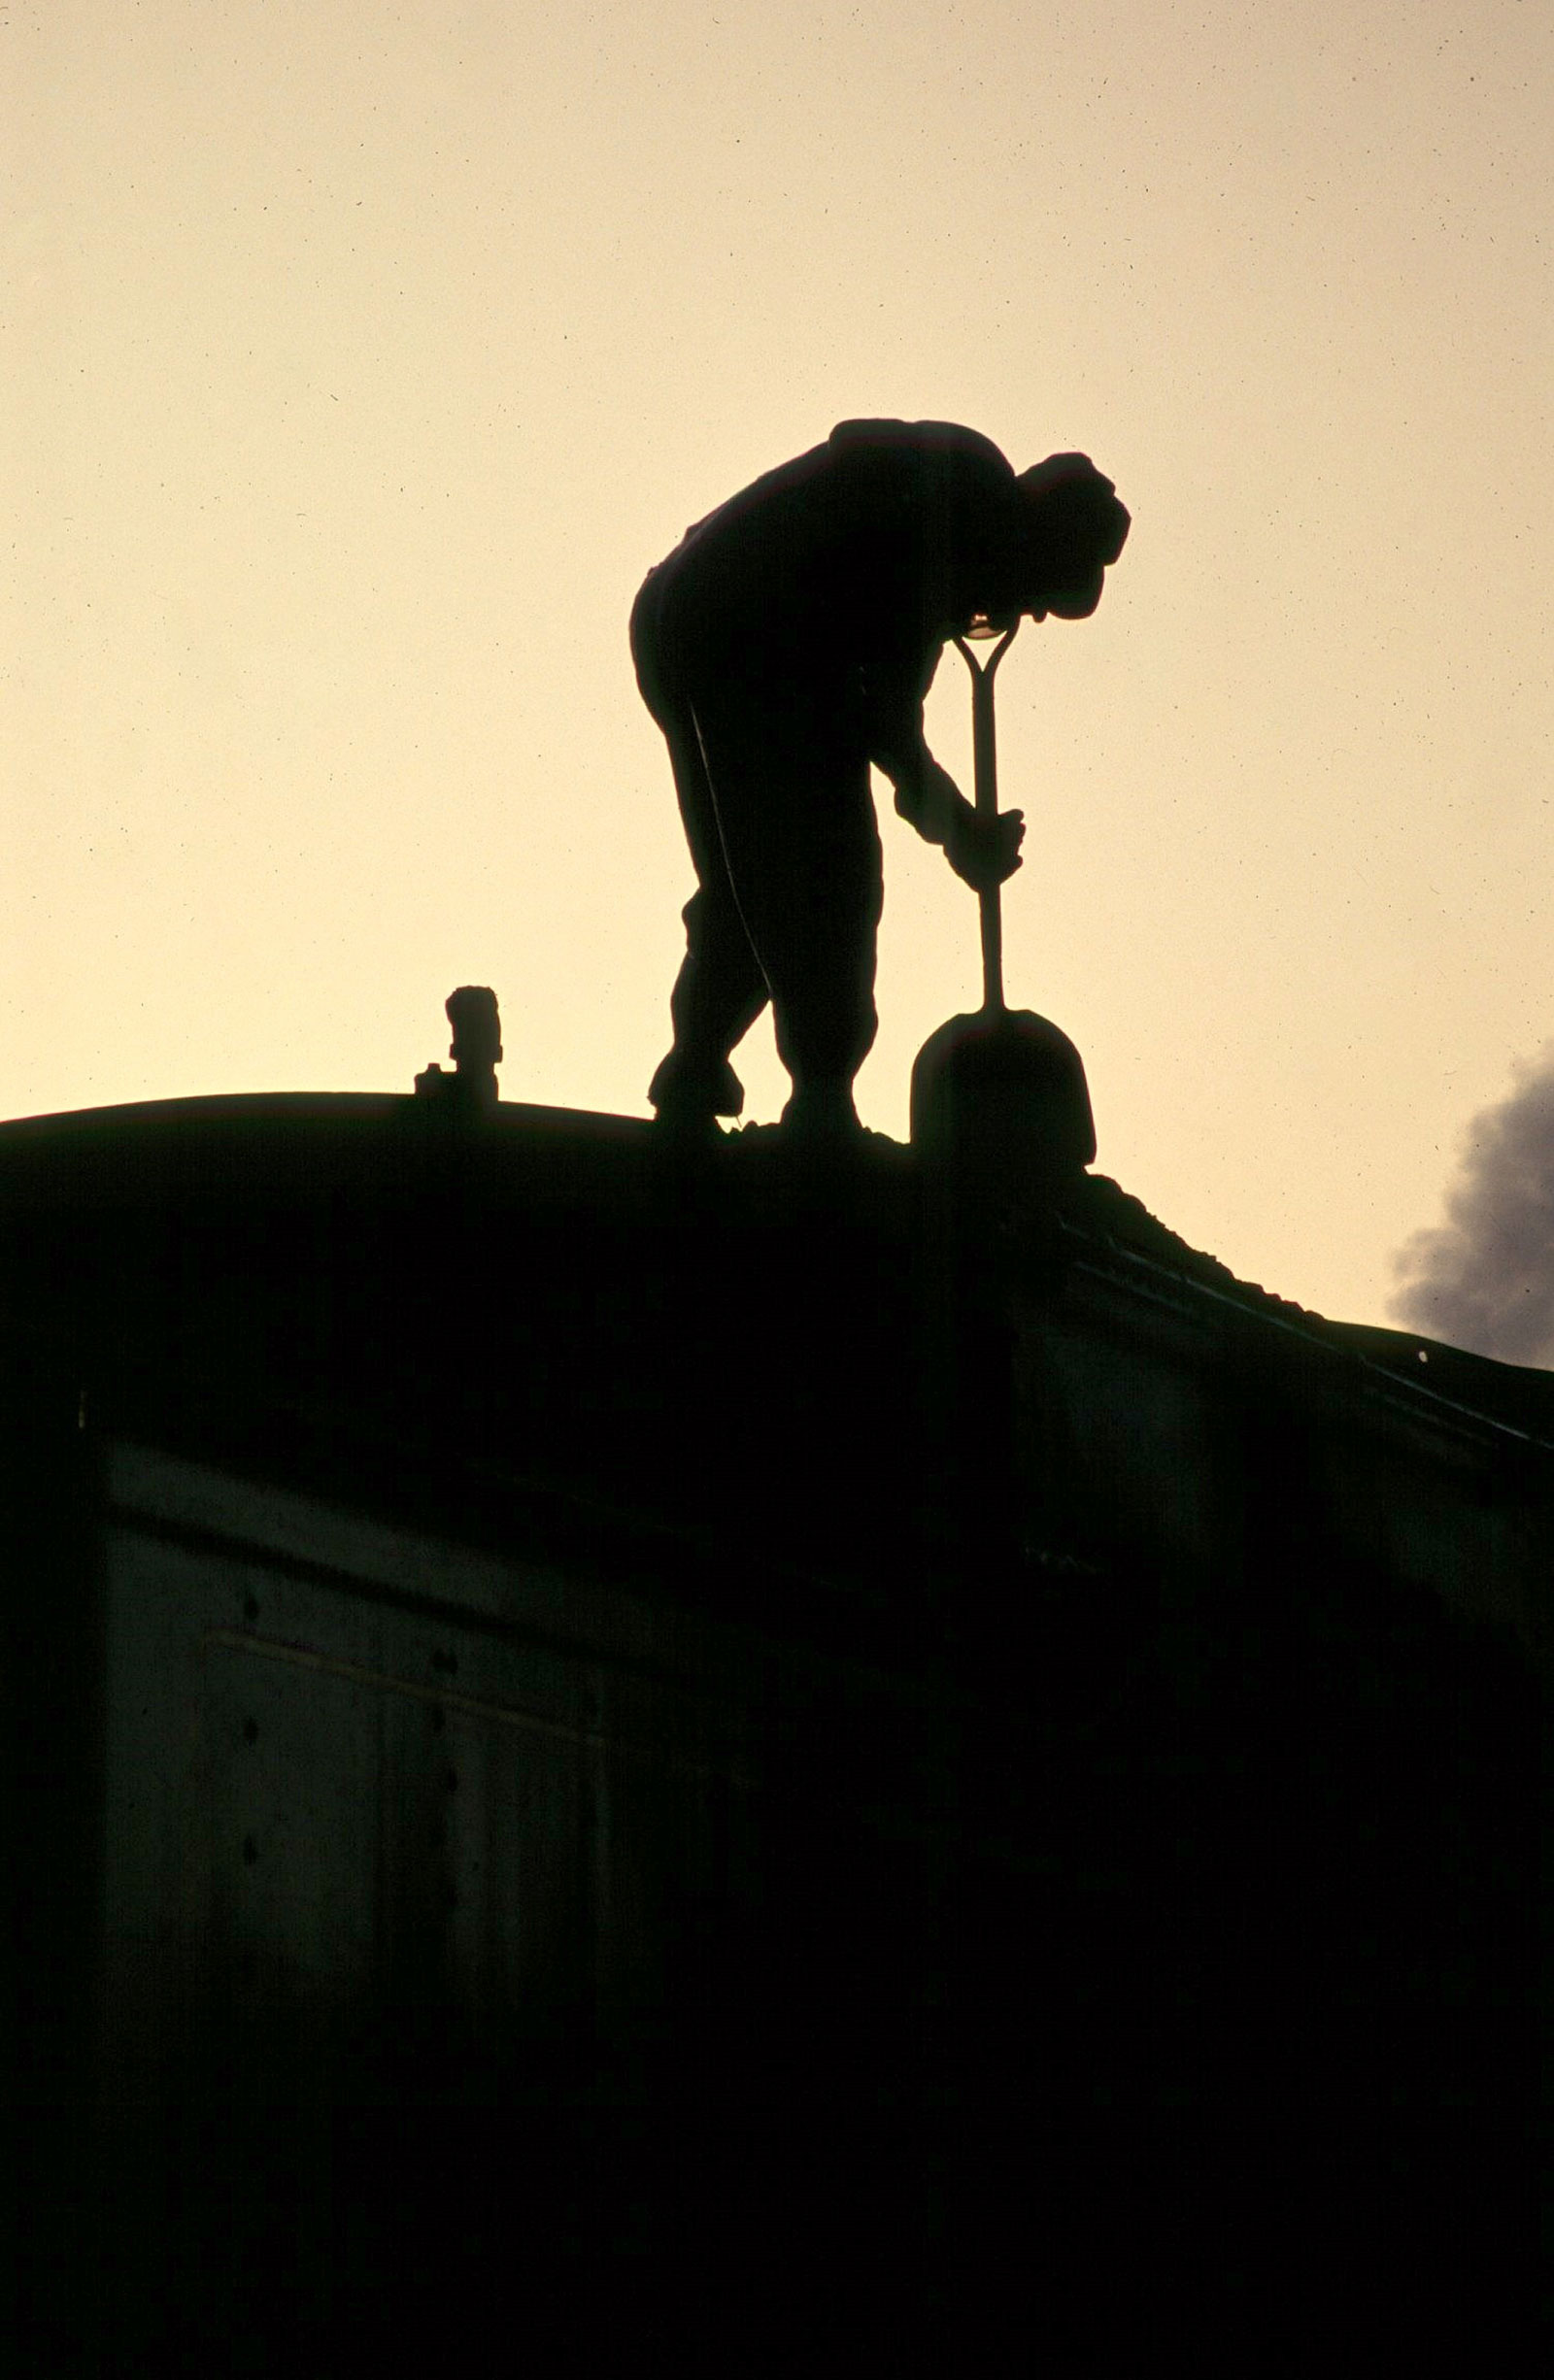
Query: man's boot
point(690, 1098)
point(821, 1116)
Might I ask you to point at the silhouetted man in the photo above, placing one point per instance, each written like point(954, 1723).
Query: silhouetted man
point(787, 642)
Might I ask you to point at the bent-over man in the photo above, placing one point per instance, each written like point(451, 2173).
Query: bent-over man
point(785, 643)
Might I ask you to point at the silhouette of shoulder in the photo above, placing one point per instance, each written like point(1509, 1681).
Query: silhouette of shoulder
point(909, 464)
point(940, 484)
point(921, 442)
point(854, 527)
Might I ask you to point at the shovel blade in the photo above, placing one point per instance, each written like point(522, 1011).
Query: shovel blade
point(1002, 1097)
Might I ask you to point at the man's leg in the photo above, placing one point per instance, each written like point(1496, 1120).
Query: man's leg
point(721, 990)
point(823, 939)
point(803, 850)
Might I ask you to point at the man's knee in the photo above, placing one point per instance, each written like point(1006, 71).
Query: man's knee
point(715, 928)
point(646, 641)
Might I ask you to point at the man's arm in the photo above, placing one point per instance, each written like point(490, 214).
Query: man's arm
point(982, 852)
point(927, 795)
point(895, 688)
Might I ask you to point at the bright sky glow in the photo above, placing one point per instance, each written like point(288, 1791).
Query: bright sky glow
point(358, 361)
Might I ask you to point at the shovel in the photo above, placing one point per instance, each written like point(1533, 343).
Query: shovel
point(1000, 1094)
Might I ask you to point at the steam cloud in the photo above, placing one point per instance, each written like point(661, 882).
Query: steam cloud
point(1485, 1279)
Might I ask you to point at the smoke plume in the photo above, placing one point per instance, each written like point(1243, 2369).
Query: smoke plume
point(1484, 1280)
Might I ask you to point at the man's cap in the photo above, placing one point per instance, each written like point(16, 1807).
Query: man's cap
point(1077, 509)
point(1075, 528)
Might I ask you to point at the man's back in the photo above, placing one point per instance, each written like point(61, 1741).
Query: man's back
point(847, 551)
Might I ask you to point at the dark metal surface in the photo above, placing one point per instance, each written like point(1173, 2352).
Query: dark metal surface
point(556, 1755)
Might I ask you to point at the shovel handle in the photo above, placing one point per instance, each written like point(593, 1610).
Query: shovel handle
point(985, 758)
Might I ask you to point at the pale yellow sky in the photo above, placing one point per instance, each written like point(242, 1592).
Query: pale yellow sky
point(360, 359)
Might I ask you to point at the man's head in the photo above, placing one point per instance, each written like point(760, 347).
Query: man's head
point(1071, 530)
